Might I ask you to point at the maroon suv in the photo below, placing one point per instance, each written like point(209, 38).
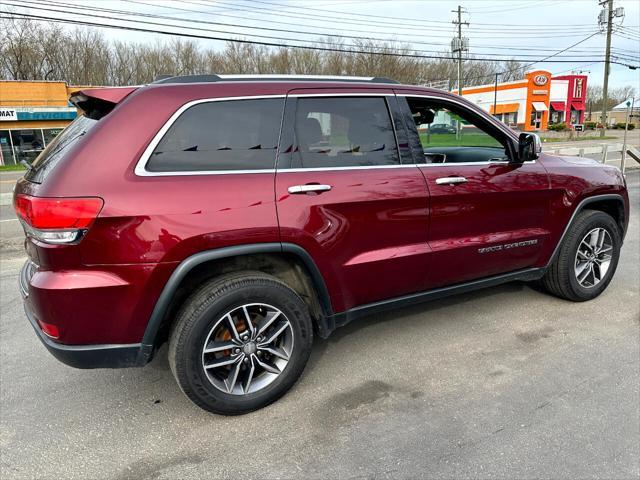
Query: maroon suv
point(237, 217)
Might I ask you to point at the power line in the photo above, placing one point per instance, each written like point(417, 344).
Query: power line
point(40, 3)
point(334, 21)
point(420, 22)
point(13, 15)
point(406, 21)
point(430, 53)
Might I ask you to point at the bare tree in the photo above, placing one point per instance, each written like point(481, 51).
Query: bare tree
point(31, 50)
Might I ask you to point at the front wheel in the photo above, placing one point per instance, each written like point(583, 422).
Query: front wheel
point(587, 258)
point(240, 342)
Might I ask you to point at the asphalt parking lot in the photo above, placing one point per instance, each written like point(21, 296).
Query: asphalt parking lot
point(501, 383)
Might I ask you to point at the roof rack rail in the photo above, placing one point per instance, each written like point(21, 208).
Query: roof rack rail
point(187, 79)
point(239, 78)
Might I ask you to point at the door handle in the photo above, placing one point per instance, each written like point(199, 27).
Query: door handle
point(313, 187)
point(450, 180)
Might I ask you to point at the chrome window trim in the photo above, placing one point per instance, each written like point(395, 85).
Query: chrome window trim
point(341, 94)
point(141, 171)
point(355, 167)
point(465, 164)
point(140, 168)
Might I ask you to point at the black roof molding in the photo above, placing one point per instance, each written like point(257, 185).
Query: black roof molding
point(187, 79)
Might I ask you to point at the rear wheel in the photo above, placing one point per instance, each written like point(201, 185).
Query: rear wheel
point(587, 258)
point(240, 342)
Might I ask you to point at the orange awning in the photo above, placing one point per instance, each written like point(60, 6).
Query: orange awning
point(504, 108)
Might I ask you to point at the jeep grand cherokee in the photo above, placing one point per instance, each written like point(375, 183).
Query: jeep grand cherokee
point(238, 217)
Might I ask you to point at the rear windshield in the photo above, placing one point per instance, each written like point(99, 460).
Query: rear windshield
point(55, 151)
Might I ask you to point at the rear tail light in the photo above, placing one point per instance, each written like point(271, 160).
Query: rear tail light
point(57, 220)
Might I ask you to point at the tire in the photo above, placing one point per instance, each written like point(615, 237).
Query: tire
point(245, 384)
point(562, 277)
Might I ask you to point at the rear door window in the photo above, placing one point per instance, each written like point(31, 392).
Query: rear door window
point(344, 132)
point(221, 136)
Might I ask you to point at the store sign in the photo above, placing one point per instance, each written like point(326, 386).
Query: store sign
point(540, 80)
point(8, 114)
point(577, 88)
point(47, 115)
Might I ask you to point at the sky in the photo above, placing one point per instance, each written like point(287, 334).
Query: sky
point(528, 30)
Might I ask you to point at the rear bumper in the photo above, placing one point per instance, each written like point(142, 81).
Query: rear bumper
point(80, 356)
point(88, 356)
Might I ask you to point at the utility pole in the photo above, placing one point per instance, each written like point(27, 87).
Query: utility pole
point(459, 44)
point(606, 18)
point(495, 95)
point(607, 59)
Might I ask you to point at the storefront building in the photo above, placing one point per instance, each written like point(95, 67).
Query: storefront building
point(32, 113)
point(568, 99)
point(536, 101)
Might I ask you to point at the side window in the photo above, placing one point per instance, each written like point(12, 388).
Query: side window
point(343, 132)
point(449, 134)
point(225, 135)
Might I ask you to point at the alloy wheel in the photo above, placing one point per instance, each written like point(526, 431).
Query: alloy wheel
point(593, 257)
point(247, 348)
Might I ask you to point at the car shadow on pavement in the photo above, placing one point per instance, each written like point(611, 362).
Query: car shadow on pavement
point(412, 316)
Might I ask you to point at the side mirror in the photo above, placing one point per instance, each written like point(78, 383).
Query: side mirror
point(529, 147)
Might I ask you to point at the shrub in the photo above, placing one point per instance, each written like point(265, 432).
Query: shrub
point(589, 125)
point(557, 127)
point(631, 126)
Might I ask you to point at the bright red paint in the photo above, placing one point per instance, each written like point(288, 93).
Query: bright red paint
point(379, 233)
point(576, 97)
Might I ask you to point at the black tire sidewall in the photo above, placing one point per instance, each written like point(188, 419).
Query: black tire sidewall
point(595, 220)
point(189, 369)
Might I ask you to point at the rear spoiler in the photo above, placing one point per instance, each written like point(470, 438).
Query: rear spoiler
point(97, 102)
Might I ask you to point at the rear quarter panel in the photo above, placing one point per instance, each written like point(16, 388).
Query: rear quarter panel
point(161, 219)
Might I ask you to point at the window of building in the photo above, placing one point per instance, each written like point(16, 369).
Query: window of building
point(6, 151)
point(575, 116)
point(344, 132)
point(50, 134)
point(226, 135)
point(557, 116)
point(511, 118)
point(26, 144)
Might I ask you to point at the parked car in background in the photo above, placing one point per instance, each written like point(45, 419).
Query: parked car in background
point(237, 218)
point(440, 128)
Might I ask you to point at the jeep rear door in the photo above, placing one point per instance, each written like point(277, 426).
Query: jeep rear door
point(349, 193)
point(488, 214)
